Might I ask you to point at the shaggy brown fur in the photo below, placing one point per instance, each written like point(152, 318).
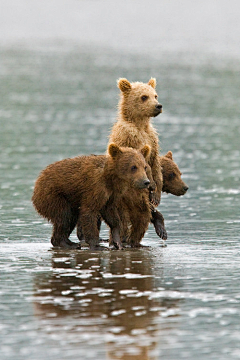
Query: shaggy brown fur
point(133, 209)
point(172, 183)
point(138, 103)
point(77, 190)
point(135, 214)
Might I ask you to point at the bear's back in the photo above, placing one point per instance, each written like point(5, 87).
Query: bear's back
point(71, 177)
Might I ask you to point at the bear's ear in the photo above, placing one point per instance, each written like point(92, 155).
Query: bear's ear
point(114, 150)
point(145, 151)
point(169, 155)
point(152, 82)
point(124, 85)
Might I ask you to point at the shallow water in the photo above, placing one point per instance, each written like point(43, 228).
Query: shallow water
point(175, 302)
point(58, 99)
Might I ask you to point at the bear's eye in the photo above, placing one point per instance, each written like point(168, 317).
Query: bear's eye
point(145, 168)
point(156, 96)
point(144, 97)
point(133, 168)
point(171, 176)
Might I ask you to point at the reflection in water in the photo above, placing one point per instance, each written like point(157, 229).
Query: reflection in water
point(58, 100)
point(92, 298)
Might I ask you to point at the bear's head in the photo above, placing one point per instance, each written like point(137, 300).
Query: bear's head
point(138, 100)
point(172, 181)
point(130, 165)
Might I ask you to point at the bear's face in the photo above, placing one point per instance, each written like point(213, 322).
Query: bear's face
point(172, 181)
point(139, 100)
point(130, 165)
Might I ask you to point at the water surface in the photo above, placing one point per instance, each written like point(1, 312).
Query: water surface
point(59, 99)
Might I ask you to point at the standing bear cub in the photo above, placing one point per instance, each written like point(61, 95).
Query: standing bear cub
point(75, 192)
point(137, 105)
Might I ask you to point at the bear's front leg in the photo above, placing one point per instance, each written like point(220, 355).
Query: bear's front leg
point(140, 224)
point(111, 217)
point(155, 195)
point(115, 238)
point(158, 222)
point(80, 231)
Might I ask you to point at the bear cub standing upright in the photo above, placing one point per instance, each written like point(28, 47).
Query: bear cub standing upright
point(138, 103)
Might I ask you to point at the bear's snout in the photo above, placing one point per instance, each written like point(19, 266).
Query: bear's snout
point(143, 183)
point(183, 190)
point(159, 106)
point(146, 182)
point(158, 109)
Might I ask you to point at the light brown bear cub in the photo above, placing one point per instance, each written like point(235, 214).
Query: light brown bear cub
point(76, 191)
point(138, 103)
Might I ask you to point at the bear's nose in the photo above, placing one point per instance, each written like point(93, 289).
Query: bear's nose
point(159, 106)
point(146, 182)
point(185, 188)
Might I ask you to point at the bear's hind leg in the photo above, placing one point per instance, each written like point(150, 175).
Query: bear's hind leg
point(63, 226)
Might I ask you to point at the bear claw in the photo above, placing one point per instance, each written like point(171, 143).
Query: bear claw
point(161, 231)
point(67, 244)
point(118, 246)
point(98, 248)
point(154, 198)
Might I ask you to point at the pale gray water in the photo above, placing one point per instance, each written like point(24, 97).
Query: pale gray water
point(58, 98)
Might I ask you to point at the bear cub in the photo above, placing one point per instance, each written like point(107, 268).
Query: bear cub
point(137, 105)
point(172, 181)
point(75, 192)
point(172, 184)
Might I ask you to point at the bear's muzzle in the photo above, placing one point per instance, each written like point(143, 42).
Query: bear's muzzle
point(157, 110)
point(142, 184)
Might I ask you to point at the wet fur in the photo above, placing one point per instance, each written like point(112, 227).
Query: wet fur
point(133, 127)
point(77, 191)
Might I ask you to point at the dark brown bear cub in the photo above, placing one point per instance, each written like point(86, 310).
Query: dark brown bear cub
point(172, 181)
point(75, 191)
point(172, 184)
point(141, 212)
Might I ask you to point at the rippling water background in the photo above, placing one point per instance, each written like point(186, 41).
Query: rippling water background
point(59, 62)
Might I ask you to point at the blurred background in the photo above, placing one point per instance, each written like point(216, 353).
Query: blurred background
point(59, 62)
